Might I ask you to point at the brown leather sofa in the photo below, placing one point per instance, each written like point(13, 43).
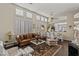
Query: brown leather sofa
point(25, 39)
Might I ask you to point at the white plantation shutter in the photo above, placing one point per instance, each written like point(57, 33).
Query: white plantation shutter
point(22, 27)
point(26, 27)
point(17, 26)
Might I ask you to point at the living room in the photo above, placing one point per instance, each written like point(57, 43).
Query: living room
point(39, 29)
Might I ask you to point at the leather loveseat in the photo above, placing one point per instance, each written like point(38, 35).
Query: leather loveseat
point(25, 39)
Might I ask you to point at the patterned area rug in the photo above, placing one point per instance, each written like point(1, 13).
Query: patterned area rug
point(44, 49)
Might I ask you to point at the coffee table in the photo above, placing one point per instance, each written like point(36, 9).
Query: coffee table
point(37, 42)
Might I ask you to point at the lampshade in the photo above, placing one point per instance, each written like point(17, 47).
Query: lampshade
point(12, 33)
point(17, 36)
point(9, 33)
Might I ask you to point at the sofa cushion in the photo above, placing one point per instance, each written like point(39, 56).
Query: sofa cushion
point(26, 40)
point(25, 36)
point(14, 51)
point(29, 36)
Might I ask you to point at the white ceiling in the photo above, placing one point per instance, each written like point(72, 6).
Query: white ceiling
point(52, 8)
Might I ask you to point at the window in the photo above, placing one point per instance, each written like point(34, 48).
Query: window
point(29, 14)
point(76, 23)
point(19, 12)
point(42, 18)
point(45, 19)
point(37, 17)
point(60, 27)
point(76, 15)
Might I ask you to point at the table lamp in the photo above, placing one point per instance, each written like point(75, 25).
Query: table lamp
point(9, 35)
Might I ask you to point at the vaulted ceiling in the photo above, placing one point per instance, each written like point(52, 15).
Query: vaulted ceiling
point(56, 9)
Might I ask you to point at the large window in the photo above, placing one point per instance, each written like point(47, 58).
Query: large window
point(45, 19)
point(19, 12)
point(29, 14)
point(38, 17)
point(42, 18)
point(76, 23)
point(23, 22)
point(76, 15)
point(60, 27)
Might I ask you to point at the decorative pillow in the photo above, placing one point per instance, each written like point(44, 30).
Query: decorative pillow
point(2, 50)
point(28, 49)
point(23, 52)
point(14, 51)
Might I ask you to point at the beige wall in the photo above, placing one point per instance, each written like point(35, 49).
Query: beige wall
point(70, 31)
point(7, 12)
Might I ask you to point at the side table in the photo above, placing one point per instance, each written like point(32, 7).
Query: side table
point(10, 44)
